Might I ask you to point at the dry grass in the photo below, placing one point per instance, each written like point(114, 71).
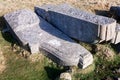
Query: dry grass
point(19, 68)
point(11, 5)
point(89, 5)
point(2, 62)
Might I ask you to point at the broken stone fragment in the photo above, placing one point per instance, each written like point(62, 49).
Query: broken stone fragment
point(39, 35)
point(65, 76)
point(78, 24)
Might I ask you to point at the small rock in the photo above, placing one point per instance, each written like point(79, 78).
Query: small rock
point(65, 76)
point(118, 78)
point(118, 70)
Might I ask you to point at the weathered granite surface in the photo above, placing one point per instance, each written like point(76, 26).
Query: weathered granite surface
point(39, 35)
point(78, 24)
point(19, 21)
point(116, 38)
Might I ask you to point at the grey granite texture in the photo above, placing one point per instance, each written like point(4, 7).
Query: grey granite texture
point(116, 38)
point(39, 35)
point(78, 24)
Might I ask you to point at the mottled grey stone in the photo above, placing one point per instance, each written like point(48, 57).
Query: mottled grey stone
point(20, 20)
point(42, 36)
point(78, 24)
point(116, 38)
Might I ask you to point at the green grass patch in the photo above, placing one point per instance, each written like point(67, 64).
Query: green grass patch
point(20, 68)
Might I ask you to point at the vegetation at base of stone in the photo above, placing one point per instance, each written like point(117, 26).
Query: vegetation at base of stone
point(102, 70)
point(20, 68)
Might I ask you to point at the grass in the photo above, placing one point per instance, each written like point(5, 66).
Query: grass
point(103, 69)
point(20, 68)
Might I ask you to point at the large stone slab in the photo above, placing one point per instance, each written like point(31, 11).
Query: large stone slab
point(116, 38)
point(39, 35)
point(78, 24)
point(20, 20)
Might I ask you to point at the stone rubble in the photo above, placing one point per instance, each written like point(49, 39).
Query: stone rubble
point(37, 34)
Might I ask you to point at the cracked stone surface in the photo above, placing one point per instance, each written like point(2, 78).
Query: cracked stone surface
point(44, 37)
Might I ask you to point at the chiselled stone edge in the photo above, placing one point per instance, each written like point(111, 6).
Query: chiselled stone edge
point(106, 32)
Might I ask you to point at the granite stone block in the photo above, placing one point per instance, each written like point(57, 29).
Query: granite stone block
point(39, 35)
point(78, 24)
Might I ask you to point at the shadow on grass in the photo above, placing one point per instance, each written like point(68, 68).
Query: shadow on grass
point(7, 36)
point(11, 37)
point(53, 73)
point(2, 22)
point(116, 47)
point(103, 13)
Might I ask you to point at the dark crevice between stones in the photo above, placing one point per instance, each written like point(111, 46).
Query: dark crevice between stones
point(116, 47)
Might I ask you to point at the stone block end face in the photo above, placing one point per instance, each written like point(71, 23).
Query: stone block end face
point(116, 38)
point(110, 32)
point(85, 61)
point(34, 48)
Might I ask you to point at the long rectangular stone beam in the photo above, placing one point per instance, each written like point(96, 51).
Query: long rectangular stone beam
point(78, 24)
point(39, 35)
